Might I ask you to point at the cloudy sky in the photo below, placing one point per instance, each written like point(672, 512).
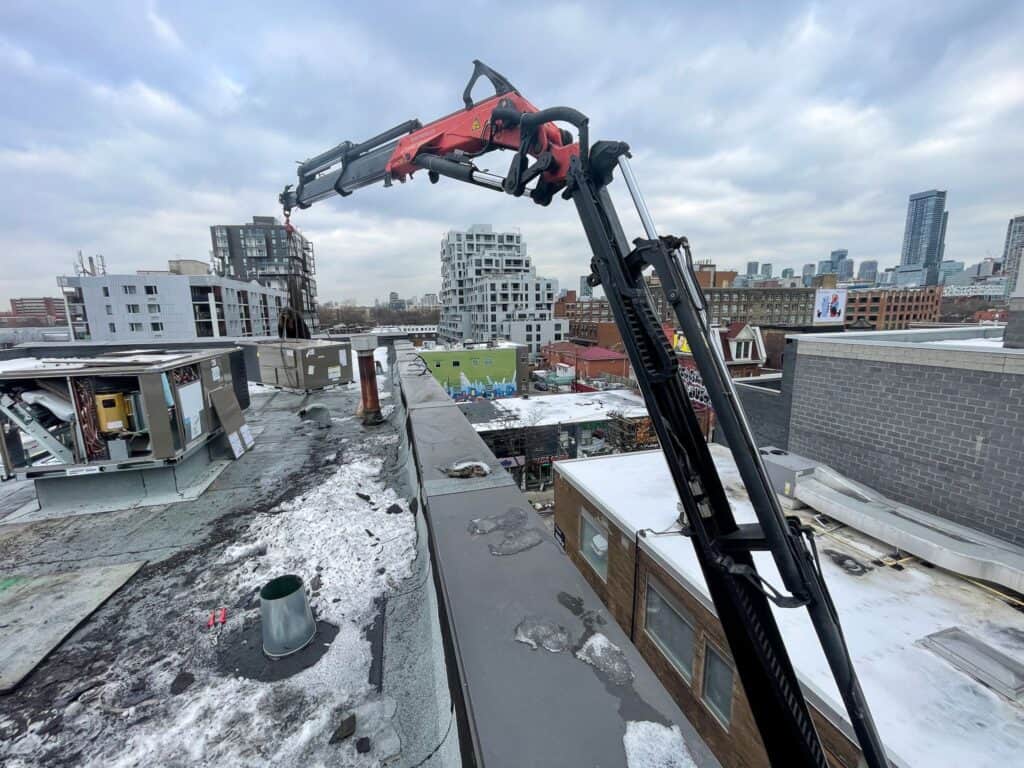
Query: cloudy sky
point(772, 135)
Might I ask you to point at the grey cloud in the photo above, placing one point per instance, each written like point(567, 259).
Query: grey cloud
point(772, 133)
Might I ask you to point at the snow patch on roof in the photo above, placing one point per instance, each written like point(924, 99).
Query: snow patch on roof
point(652, 745)
point(605, 656)
point(567, 408)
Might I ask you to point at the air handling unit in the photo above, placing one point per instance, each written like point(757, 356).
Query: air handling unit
point(142, 424)
point(304, 364)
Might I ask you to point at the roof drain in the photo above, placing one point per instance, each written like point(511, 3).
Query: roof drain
point(286, 621)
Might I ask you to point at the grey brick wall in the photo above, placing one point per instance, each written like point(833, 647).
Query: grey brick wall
point(767, 411)
point(767, 415)
point(947, 440)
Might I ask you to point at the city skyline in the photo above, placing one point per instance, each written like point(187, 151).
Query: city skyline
point(129, 133)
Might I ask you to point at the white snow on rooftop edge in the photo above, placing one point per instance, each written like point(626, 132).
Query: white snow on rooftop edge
point(928, 712)
point(978, 343)
point(652, 745)
point(569, 408)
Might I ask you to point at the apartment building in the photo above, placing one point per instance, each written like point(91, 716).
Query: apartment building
point(490, 290)
point(273, 255)
point(168, 306)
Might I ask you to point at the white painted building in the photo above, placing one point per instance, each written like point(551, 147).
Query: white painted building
point(489, 290)
point(161, 305)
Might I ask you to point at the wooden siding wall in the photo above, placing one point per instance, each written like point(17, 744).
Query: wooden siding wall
point(738, 745)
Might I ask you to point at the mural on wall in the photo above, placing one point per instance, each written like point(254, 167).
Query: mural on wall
point(467, 374)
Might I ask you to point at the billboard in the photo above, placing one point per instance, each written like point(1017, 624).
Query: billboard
point(830, 306)
point(680, 344)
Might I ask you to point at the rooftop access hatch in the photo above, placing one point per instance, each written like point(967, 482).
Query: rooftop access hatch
point(981, 661)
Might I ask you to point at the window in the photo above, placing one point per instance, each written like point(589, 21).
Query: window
point(157, 327)
point(106, 290)
point(594, 544)
point(151, 290)
point(112, 328)
point(133, 309)
point(129, 290)
point(456, 363)
point(135, 327)
point(742, 350)
point(110, 310)
point(670, 629)
point(717, 688)
point(153, 309)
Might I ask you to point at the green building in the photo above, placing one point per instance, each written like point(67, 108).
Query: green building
point(491, 370)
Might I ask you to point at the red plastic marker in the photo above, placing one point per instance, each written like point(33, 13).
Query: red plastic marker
point(223, 615)
point(209, 624)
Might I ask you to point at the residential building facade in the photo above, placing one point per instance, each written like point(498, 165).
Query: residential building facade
point(489, 288)
point(589, 362)
point(893, 309)
point(1013, 251)
point(167, 306)
point(924, 234)
point(741, 346)
point(273, 255)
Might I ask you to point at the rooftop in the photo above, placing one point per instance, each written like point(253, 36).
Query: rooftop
point(146, 681)
point(971, 347)
point(548, 410)
point(928, 712)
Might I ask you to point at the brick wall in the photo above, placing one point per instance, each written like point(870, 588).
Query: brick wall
point(947, 440)
point(617, 591)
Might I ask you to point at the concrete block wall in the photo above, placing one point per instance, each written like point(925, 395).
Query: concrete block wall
point(946, 437)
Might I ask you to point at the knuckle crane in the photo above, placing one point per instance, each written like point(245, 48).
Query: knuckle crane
point(554, 161)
